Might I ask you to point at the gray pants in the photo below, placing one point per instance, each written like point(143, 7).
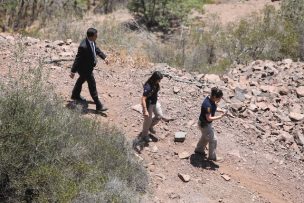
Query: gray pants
point(208, 136)
point(150, 121)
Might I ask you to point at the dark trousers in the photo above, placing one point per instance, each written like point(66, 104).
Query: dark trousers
point(92, 88)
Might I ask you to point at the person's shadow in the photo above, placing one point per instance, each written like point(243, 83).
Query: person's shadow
point(139, 143)
point(83, 106)
point(197, 160)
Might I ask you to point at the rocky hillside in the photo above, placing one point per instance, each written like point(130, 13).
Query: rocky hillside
point(261, 140)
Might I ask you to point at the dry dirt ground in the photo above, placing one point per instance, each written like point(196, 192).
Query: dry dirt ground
point(261, 163)
point(233, 10)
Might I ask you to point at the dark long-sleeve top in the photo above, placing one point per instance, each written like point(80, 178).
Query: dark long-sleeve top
point(85, 62)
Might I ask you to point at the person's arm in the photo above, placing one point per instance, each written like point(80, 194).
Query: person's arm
point(76, 61)
point(213, 118)
point(101, 55)
point(144, 105)
point(221, 110)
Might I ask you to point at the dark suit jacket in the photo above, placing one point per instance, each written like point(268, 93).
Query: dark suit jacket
point(84, 62)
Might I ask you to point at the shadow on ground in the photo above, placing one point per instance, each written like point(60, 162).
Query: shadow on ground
point(199, 161)
point(139, 142)
point(83, 106)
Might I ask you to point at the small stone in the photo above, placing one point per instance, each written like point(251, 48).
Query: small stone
point(180, 136)
point(253, 107)
point(226, 177)
point(59, 42)
point(300, 91)
point(263, 106)
point(212, 78)
point(296, 116)
point(184, 177)
point(184, 155)
point(154, 149)
point(69, 41)
point(198, 77)
point(176, 90)
point(173, 195)
point(283, 90)
point(287, 61)
point(286, 137)
point(299, 138)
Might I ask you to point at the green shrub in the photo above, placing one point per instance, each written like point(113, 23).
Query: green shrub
point(293, 11)
point(51, 154)
point(165, 13)
point(266, 36)
point(18, 15)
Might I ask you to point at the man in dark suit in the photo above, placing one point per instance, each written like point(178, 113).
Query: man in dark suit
point(84, 64)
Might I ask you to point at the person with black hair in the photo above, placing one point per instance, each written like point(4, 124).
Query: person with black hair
point(85, 61)
point(151, 105)
point(207, 116)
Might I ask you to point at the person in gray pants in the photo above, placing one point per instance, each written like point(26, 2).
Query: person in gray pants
point(207, 116)
point(150, 105)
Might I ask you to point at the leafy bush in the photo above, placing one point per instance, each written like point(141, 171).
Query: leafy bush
point(293, 11)
point(265, 36)
point(108, 6)
point(51, 154)
point(17, 15)
point(193, 49)
point(164, 13)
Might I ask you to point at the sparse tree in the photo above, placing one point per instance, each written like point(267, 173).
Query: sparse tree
point(158, 12)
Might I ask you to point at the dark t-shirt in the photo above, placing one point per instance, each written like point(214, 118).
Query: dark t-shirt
point(151, 93)
point(208, 107)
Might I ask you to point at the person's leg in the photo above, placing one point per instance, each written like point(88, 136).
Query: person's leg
point(77, 87)
point(93, 92)
point(158, 115)
point(212, 143)
point(202, 143)
point(147, 123)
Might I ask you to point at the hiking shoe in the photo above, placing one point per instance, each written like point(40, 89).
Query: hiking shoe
point(203, 154)
point(168, 119)
point(216, 159)
point(78, 98)
point(147, 139)
point(152, 130)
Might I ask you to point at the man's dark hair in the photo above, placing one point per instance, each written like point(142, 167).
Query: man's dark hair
point(216, 92)
point(91, 32)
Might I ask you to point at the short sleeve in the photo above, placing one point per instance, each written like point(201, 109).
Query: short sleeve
point(147, 90)
point(206, 108)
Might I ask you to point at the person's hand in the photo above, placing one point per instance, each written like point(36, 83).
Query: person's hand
point(72, 75)
point(222, 115)
point(106, 61)
point(225, 113)
point(146, 114)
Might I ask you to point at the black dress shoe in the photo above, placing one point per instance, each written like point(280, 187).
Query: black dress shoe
point(101, 108)
point(80, 98)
